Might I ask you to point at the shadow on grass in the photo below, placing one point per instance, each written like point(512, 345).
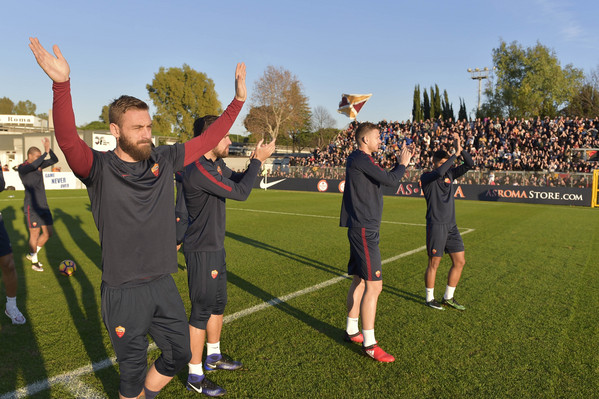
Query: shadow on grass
point(85, 314)
point(284, 253)
point(19, 349)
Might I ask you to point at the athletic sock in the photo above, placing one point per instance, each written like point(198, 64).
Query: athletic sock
point(430, 294)
point(212, 349)
point(39, 249)
point(11, 303)
point(195, 369)
point(150, 394)
point(368, 338)
point(33, 257)
point(448, 292)
point(352, 326)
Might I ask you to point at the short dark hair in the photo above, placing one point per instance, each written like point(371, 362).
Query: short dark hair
point(119, 106)
point(364, 128)
point(32, 150)
point(201, 124)
point(440, 154)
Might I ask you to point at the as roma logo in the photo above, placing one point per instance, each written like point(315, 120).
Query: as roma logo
point(378, 273)
point(219, 170)
point(155, 170)
point(34, 224)
point(342, 186)
point(214, 273)
point(120, 331)
point(322, 185)
point(447, 180)
point(434, 251)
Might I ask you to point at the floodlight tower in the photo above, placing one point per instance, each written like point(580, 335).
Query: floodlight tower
point(479, 74)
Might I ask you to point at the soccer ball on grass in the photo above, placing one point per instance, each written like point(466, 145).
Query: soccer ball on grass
point(67, 267)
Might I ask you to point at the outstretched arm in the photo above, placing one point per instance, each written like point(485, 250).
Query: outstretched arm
point(200, 145)
point(78, 155)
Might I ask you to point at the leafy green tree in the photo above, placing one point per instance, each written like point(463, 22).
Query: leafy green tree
point(24, 108)
point(435, 103)
point(462, 113)
point(446, 108)
point(278, 104)
point(585, 102)
point(426, 106)
point(416, 105)
point(6, 106)
point(95, 125)
point(104, 115)
point(530, 82)
point(181, 95)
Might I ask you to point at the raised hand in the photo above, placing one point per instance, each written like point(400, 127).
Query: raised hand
point(56, 67)
point(263, 151)
point(240, 89)
point(406, 154)
point(46, 144)
point(457, 143)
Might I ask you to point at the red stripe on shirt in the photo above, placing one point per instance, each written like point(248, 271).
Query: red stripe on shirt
point(374, 162)
point(212, 178)
point(367, 254)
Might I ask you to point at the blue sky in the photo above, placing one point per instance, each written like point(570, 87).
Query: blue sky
point(333, 47)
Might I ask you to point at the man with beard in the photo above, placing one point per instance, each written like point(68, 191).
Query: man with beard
point(131, 192)
point(207, 183)
point(37, 211)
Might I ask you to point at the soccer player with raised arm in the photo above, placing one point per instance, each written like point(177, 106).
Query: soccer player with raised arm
point(9, 273)
point(207, 184)
point(442, 234)
point(361, 213)
point(131, 192)
point(37, 211)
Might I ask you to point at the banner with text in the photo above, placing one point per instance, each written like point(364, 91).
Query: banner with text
point(528, 194)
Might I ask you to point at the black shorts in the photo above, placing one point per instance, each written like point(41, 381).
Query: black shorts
point(207, 279)
point(37, 217)
point(5, 247)
point(365, 257)
point(130, 314)
point(442, 238)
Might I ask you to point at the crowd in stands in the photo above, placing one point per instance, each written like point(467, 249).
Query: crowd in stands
point(513, 152)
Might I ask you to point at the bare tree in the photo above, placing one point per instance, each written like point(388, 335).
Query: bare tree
point(278, 104)
point(323, 124)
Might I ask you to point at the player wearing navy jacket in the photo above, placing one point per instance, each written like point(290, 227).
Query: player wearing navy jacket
point(442, 234)
point(361, 213)
point(9, 273)
point(131, 192)
point(37, 211)
point(207, 184)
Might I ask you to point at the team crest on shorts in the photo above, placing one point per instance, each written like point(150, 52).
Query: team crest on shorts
point(378, 273)
point(34, 224)
point(434, 251)
point(155, 169)
point(219, 170)
point(447, 180)
point(120, 331)
point(214, 273)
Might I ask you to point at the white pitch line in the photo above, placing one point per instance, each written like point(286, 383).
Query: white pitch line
point(81, 390)
point(316, 216)
point(39, 386)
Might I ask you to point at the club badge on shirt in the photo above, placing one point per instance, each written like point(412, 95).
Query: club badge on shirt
point(155, 169)
point(120, 331)
point(219, 170)
point(447, 180)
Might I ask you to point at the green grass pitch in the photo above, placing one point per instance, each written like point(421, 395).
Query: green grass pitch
point(531, 287)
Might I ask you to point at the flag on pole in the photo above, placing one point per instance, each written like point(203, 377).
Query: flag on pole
point(351, 104)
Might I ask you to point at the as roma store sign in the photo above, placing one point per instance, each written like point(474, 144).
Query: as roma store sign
point(529, 194)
